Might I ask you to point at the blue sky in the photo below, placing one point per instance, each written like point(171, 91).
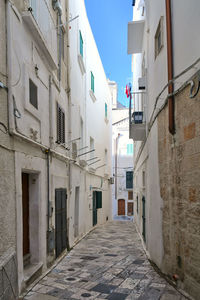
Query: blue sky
point(109, 20)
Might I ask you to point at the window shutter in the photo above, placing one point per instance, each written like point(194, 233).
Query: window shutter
point(33, 98)
point(129, 179)
point(81, 43)
point(106, 110)
point(60, 125)
point(92, 82)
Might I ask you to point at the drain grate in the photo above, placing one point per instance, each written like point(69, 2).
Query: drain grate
point(86, 295)
point(71, 270)
point(89, 257)
point(71, 279)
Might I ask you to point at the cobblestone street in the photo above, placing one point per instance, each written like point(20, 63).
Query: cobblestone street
point(109, 263)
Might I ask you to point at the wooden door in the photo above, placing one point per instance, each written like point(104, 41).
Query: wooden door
point(25, 209)
point(60, 221)
point(130, 208)
point(143, 219)
point(121, 207)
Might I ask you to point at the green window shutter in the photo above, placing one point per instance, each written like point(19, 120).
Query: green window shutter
point(129, 149)
point(99, 199)
point(81, 44)
point(92, 82)
point(106, 110)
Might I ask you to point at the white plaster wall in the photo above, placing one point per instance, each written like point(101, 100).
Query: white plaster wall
point(95, 125)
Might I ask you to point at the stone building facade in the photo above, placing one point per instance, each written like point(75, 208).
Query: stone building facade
point(179, 160)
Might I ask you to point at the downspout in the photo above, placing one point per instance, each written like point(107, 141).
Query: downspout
point(170, 67)
point(57, 6)
point(11, 123)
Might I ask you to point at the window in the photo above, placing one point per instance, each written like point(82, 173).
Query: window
point(60, 125)
point(92, 82)
point(81, 43)
point(159, 37)
point(106, 110)
point(33, 97)
point(130, 195)
point(129, 179)
point(129, 149)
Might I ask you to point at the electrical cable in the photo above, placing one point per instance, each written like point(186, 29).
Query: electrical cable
point(5, 131)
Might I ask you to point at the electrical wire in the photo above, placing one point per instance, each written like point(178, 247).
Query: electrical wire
point(5, 129)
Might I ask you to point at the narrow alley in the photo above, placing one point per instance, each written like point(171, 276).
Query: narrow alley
point(109, 263)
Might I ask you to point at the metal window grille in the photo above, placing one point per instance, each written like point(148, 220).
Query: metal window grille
point(33, 97)
point(60, 125)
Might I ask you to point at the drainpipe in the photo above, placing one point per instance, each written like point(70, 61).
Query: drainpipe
point(11, 123)
point(57, 6)
point(170, 66)
point(116, 150)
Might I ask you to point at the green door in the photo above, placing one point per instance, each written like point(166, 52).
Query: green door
point(94, 209)
point(143, 219)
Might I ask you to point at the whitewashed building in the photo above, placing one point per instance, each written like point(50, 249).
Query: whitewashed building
point(164, 126)
point(59, 106)
point(122, 159)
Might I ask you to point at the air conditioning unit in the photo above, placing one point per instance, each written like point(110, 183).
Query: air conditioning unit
point(111, 180)
point(142, 83)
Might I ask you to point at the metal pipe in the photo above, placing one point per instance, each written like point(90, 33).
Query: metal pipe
point(170, 67)
point(86, 152)
point(48, 192)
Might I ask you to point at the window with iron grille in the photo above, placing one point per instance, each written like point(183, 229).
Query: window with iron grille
point(129, 179)
point(81, 43)
point(33, 97)
point(60, 125)
point(130, 195)
point(92, 82)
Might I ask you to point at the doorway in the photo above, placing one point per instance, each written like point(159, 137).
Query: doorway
point(76, 212)
point(130, 209)
point(60, 221)
point(94, 209)
point(121, 207)
point(25, 213)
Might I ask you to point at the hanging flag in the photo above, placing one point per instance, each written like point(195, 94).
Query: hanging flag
point(128, 90)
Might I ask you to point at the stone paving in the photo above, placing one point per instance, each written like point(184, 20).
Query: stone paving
point(109, 263)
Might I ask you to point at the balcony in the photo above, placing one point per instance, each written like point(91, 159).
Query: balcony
point(137, 122)
point(135, 36)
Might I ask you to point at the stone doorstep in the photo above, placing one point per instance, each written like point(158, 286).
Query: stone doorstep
point(30, 272)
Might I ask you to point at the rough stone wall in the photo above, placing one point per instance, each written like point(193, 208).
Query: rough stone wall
point(179, 168)
point(8, 276)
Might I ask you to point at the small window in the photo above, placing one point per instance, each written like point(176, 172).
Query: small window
point(60, 125)
point(130, 195)
point(129, 149)
point(106, 110)
point(129, 179)
point(33, 97)
point(92, 82)
point(159, 37)
point(81, 43)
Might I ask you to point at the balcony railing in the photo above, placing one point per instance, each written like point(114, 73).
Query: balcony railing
point(137, 120)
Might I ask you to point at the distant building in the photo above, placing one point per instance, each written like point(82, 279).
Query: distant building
point(122, 162)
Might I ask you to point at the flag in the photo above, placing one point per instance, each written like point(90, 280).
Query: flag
point(128, 90)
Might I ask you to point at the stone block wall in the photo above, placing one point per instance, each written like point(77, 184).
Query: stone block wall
point(8, 276)
point(179, 168)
